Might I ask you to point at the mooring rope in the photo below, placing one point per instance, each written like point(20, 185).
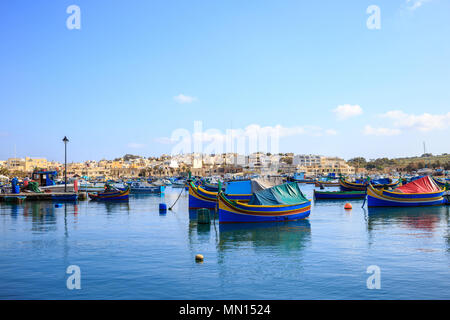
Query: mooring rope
point(170, 208)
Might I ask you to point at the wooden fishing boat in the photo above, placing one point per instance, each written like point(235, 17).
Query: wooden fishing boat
point(280, 203)
point(351, 186)
point(440, 183)
point(337, 195)
point(112, 195)
point(420, 192)
point(143, 187)
point(362, 186)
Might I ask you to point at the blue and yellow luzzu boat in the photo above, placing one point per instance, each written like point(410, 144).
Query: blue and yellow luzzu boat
point(420, 192)
point(362, 185)
point(200, 198)
point(113, 195)
point(442, 184)
point(280, 203)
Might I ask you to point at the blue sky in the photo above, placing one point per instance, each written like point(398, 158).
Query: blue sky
point(111, 86)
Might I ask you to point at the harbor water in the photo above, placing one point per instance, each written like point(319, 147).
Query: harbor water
point(131, 251)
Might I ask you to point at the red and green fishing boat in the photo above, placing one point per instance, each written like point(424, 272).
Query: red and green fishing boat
point(420, 192)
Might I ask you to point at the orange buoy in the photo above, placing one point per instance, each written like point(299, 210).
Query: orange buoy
point(199, 258)
point(347, 206)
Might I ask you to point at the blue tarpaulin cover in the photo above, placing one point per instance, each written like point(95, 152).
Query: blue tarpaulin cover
point(239, 187)
point(381, 181)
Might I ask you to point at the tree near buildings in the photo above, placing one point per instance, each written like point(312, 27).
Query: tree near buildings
point(4, 172)
point(358, 162)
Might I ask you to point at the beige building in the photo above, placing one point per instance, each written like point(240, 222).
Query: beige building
point(320, 165)
point(35, 163)
point(15, 164)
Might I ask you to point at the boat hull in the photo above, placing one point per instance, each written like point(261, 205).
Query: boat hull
point(237, 212)
point(440, 183)
point(65, 197)
point(200, 198)
point(351, 186)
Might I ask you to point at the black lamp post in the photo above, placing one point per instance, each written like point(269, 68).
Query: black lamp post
point(65, 140)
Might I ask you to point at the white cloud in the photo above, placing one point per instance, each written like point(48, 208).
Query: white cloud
point(164, 140)
point(181, 98)
point(424, 122)
point(135, 145)
point(347, 111)
point(414, 4)
point(370, 131)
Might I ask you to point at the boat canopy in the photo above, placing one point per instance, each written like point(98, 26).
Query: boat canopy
point(288, 193)
point(252, 186)
point(239, 187)
point(422, 185)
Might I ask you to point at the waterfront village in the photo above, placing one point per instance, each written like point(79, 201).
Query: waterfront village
point(227, 164)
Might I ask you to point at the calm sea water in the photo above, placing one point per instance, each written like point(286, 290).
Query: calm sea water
point(130, 251)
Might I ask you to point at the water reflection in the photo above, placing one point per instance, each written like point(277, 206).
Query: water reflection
point(201, 232)
point(15, 208)
point(286, 236)
point(115, 206)
point(422, 218)
point(139, 196)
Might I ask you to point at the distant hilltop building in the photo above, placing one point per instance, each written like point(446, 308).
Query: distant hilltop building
point(320, 165)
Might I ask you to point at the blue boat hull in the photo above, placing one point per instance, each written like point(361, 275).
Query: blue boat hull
point(375, 202)
point(384, 198)
point(230, 217)
point(71, 197)
point(196, 203)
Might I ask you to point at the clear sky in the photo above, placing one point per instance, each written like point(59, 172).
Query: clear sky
point(138, 70)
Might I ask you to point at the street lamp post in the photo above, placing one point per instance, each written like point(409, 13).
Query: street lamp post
point(65, 140)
